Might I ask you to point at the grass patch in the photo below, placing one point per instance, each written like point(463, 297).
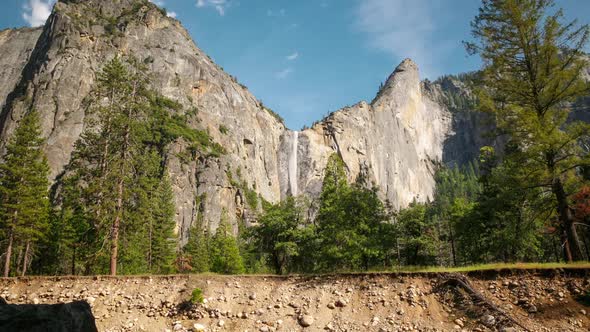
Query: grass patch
point(493, 266)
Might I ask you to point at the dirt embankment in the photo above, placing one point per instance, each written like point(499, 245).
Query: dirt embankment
point(487, 301)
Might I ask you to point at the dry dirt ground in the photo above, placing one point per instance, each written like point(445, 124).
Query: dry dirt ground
point(549, 300)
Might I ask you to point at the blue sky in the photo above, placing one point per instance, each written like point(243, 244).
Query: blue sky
point(306, 58)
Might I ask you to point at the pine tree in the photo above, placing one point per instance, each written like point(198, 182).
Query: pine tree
point(224, 251)
point(163, 240)
point(533, 66)
point(24, 202)
point(197, 248)
point(117, 163)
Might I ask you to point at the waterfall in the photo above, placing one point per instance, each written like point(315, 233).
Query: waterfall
point(293, 165)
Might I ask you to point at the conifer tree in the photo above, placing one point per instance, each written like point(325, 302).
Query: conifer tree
point(120, 173)
point(225, 253)
point(197, 248)
point(24, 202)
point(533, 66)
point(163, 240)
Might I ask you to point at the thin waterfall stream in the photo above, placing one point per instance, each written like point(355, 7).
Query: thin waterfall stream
point(293, 165)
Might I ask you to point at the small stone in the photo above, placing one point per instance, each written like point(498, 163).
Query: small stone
point(199, 327)
point(177, 327)
point(306, 320)
point(221, 323)
point(331, 305)
point(532, 309)
point(459, 322)
point(583, 312)
point(264, 329)
point(508, 329)
point(488, 320)
point(252, 296)
point(340, 303)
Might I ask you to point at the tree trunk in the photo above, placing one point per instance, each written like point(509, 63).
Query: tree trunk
point(453, 245)
point(19, 259)
point(572, 245)
point(26, 258)
point(8, 254)
point(74, 261)
point(115, 230)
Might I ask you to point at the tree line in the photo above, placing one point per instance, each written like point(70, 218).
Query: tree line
point(111, 210)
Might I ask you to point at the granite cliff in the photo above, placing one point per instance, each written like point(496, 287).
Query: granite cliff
point(397, 141)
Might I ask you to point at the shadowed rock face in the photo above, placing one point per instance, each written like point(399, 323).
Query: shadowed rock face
point(65, 317)
point(397, 141)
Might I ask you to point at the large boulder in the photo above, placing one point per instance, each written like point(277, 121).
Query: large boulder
point(64, 317)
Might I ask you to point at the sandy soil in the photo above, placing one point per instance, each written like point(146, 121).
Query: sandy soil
point(551, 300)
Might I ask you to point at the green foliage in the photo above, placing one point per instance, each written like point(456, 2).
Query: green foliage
point(223, 129)
point(197, 296)
point(24, 204)
point(534, 64)
point(115, 190)
point(224, 250)
point(197, 249)
point(352, 230)
point(280, 238)
point(418, 236)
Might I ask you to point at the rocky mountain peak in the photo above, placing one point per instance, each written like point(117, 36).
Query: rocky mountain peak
point(395, 142)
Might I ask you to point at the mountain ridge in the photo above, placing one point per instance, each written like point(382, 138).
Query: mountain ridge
point(397, 141)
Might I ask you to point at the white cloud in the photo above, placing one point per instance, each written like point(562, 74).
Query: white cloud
point(284, 73)
point(172, 14)
point(159, 3)
point(219, 5)
point(292, 57)
point(403, 28)
point(276, 13)
point(36, 12)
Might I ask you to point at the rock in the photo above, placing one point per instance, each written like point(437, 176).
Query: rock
point(199, 327)
point(306, 320)
point(264, 329)
point(71, 317)
point(331, 305)
point(396, 141)
point(532, 309)
point(459, 322)
point(488, 320)
point(178, 327)
point(341, 303)
point(508, 329)
point(252, 297)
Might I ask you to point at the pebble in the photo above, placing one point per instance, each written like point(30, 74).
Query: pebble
point(306, 320)
point(488, 320)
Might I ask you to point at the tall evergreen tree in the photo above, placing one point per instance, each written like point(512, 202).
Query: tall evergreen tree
point(24, 202)
point(533, 67)
point(352, 223)
point(282, 233)
point(224, 250)
point(115, 184)
point(197, 248)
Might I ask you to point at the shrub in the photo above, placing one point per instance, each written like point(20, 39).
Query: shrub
point(197, 296)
